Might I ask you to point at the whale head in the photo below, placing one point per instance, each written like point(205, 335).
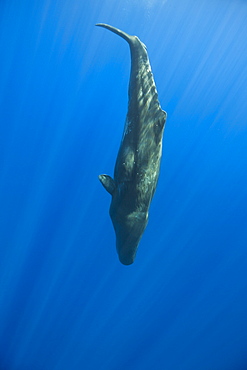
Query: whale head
point(129, 230)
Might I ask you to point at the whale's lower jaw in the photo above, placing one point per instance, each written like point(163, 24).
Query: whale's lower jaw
point(128, 237)
point(127, 255)
point(126, 261)
point(127, 251)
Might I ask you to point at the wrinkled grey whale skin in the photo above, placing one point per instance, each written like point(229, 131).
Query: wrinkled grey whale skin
point(138, 162)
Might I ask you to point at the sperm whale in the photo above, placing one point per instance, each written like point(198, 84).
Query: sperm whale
point(138, 161)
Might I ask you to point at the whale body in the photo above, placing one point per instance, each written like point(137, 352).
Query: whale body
point(138, 161)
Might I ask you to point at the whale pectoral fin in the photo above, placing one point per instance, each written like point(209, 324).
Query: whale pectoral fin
point(108, 183)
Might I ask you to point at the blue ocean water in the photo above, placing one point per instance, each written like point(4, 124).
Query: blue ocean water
point(66, 302)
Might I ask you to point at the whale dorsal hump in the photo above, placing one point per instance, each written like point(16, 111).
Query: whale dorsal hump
point(108, 183)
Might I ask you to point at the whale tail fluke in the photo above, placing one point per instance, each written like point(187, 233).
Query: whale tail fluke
point(122, 34)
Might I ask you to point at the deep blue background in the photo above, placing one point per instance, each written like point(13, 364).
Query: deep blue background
point(65, 300)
